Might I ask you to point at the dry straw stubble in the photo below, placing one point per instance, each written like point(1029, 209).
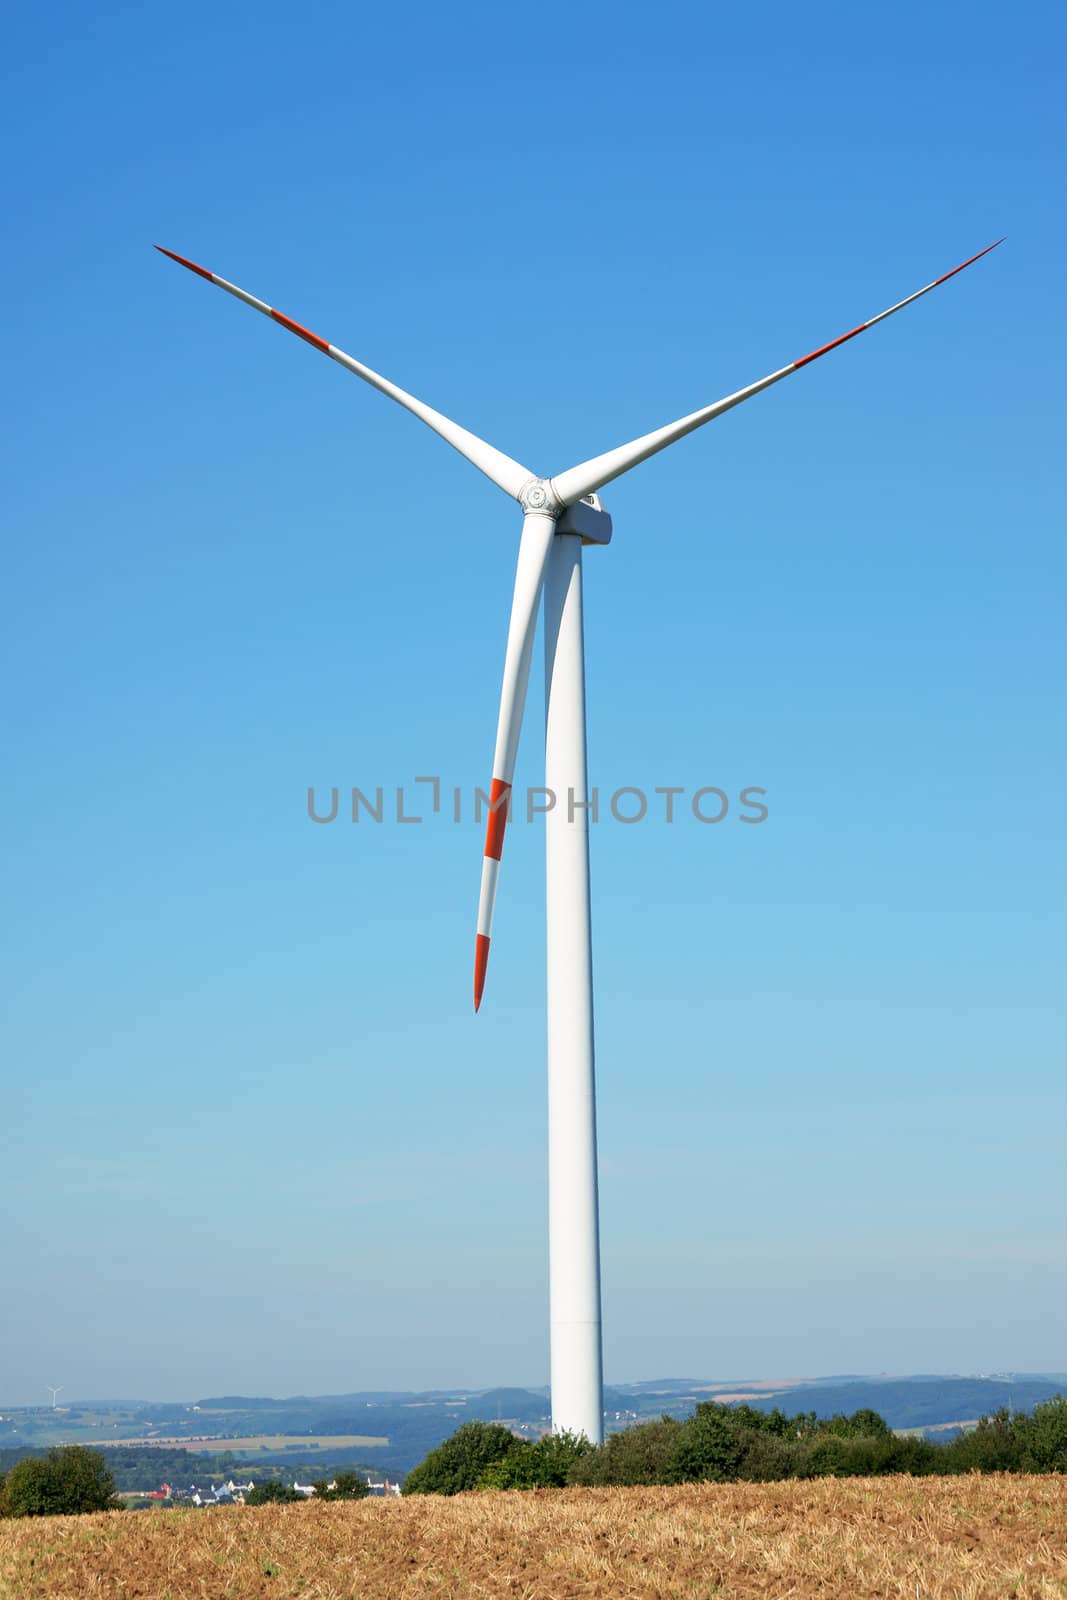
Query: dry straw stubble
point(969, 1538)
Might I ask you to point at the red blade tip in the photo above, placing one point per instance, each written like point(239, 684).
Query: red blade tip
point(204, 273)
point(481, 961)
point(971, 260)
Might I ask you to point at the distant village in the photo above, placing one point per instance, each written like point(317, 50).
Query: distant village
point(232, 1493)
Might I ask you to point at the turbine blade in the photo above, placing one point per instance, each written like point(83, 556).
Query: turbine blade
point(507, 474)
point(591, 475)
point(538, 531)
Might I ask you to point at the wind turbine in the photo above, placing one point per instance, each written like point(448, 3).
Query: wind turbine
point(53, 1392)
point(560, 515)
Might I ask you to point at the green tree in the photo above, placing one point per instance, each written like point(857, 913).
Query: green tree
point(642, 1454)
point(1043, 1436)
point(773, 1422)
point(993, 1446)
point(711, 1445)
point(68, 1480)
point(515, 1471)
point(836, 1455)
point(346, 1486)
point(769, 1457)
point(823, 1456)
point(459, 1462)
point(867, 1424)
point(271, 1492)
point(546, 1464)
point(349, 1486)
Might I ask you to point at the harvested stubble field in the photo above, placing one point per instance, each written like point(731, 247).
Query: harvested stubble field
point(965, 1538)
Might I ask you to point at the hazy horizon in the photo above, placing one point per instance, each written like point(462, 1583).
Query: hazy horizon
point(815, 1378)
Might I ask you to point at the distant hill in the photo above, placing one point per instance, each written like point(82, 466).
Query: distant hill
point(915, 1402)
point(246, 1402)
point(507, 1405)
point(414, 1423)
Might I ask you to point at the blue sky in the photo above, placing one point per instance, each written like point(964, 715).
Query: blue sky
point(253, 1136)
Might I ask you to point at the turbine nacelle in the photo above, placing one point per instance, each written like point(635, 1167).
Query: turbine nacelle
point(588, 519)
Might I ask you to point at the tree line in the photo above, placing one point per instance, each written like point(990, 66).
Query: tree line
point(727, 1444)
point(717, 1444)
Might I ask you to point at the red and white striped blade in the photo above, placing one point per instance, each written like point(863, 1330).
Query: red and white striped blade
point(593, 474)
point(507, 474)
point(537, 534)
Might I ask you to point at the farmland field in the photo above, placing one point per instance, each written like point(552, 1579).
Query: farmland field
point(254, 1441)
point(974, 1538)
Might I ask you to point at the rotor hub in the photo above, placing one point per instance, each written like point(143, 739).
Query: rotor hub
point(539, 498)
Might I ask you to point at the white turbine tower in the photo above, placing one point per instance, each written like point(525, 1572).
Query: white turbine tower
point(560, 515)
point(53, 1391)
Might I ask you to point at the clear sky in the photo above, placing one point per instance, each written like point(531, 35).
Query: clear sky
point(253, 1137)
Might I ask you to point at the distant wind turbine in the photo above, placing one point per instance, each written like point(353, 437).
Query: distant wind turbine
point(53, 1392)
point(560, 515)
